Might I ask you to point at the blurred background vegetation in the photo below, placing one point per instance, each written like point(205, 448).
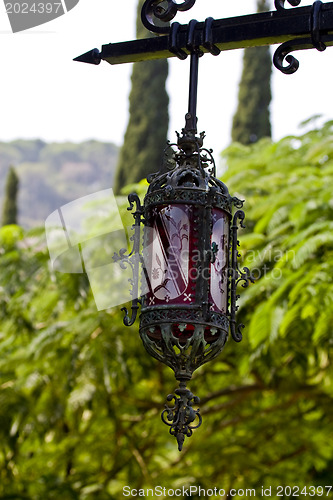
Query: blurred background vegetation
point(79, 397)
point(52, 174)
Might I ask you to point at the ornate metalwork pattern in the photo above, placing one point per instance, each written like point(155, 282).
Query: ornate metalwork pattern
point(279, 4)
point(181, 416)
point(237, 276)
point(188, 197)
point(132, 259)
point(316, 40)
point(163, 11)
point(183, 355)
point(165, 314)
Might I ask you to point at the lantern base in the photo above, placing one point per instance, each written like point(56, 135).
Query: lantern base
point(181, 339)
point(181, 417)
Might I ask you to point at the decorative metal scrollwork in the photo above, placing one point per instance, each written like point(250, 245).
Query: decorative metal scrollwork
point(279, 4)
point(281, 55)
point(182, 357)
point(237, 276)
point(316, 40)
point(133, 259)
point(181, 417)
point(162, 10)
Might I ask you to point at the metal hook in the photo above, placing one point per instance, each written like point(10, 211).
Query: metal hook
point(173, 42)
point(315, 26)
point(208, 37)
point(281, 55)
point(190, 45)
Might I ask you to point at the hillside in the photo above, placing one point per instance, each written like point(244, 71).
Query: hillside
point(52, 174)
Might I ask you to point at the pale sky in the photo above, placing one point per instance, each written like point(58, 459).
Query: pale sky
point(46, 95)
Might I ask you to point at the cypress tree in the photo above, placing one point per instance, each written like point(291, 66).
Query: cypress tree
point(251, 121)
point(9, 211)
point(146, 134)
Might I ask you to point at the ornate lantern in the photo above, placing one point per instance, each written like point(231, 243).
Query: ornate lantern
point(189, 232)
point(190, 271)
point(189, 265)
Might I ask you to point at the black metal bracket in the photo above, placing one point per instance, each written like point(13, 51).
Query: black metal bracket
point(191, 45)
point(173, 46)
point(208, 37)
point(296, 29)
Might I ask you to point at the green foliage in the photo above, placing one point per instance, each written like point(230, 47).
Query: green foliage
point(80, 398)
point(289, 247)
point(66, 373)
point(56, 173)
point(251, 121)
point(146, 134)
point(9, 210)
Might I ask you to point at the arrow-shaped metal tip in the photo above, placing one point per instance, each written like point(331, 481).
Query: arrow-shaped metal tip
point(91, 57)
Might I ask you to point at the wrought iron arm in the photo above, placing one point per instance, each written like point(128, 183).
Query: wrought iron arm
point(236, 276)
point(265, 28)
point(133, 259)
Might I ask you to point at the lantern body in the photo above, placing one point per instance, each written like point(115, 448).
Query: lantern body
point(184, 311)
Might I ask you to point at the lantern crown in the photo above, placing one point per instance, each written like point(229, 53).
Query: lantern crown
point(187, 165)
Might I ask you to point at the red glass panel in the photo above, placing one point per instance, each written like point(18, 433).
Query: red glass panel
point(167, 255)
point(172, 254)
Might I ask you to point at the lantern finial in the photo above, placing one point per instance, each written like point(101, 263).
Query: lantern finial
point(181, 416)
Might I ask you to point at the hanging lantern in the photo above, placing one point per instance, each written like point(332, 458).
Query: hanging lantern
point(189, 270)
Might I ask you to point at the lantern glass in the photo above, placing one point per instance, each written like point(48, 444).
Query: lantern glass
point(167, 251)
point(219, 266)
point(184, 266)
